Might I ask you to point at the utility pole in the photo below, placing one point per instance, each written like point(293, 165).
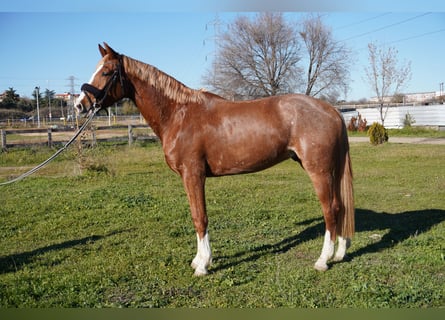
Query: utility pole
point(72, 86)
point(441, 91)
point(49, 105)
point(38, 110)
point(216, 24)
point(61, 108)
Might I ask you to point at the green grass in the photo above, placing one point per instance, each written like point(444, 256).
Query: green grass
point(123, 237)
point(416, 132)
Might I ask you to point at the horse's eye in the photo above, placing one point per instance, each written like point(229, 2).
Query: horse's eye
point(106, 74)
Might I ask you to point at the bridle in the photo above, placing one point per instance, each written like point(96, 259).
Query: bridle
point(101, 94)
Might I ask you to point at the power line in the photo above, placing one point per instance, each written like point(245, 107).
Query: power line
point(386, 27)
point(362, 21)
point(417, 36)
point(409, 38)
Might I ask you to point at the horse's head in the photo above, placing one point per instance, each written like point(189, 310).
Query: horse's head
point(107, 84)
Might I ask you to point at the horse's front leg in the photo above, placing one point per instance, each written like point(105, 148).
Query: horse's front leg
point(194, 183)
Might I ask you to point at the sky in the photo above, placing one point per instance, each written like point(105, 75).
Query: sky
point(43, 43)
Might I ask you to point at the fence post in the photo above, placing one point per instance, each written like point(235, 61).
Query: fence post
point(130, 134)
point(93, 136)
point(3, 138)
point(50, 138)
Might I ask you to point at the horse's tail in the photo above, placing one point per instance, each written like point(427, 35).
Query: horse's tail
point(346, 219)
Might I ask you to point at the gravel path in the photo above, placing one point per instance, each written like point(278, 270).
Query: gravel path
point(414, 140)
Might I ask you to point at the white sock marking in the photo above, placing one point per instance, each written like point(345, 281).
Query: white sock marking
point(326, 252)
point(343, 244)
point(204, 255)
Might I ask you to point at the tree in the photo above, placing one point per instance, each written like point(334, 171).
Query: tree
point(11, 99)
point(34, 95)
point(256, 58)
point(328, 61)
point(263, 57)
point(129, 108)
point(50, 94)
point(384, 74)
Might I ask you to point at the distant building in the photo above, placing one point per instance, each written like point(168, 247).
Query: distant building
point(66, 96)
point(419, 97)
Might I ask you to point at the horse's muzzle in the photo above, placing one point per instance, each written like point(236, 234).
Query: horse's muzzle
point(80, 109)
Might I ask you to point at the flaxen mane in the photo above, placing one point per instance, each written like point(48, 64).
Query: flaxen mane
point(172, 88)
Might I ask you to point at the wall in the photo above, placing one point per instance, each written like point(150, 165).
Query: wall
point(433, 115)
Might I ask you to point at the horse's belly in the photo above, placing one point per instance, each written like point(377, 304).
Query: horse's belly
point(251, 140)
point(236, 159)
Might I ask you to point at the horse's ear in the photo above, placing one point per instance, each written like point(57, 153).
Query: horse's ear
point(109, 50)
point(102, 51)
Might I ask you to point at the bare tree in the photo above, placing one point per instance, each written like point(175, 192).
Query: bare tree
point(256, 58)
point(328, 61)
point(384, 75)
point(263, 57)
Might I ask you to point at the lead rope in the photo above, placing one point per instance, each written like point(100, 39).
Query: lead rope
point(44, 163)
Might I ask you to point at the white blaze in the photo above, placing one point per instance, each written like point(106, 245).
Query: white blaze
point(82, 94)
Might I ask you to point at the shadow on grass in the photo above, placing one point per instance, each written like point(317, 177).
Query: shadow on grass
point(313, 232)
point(15, 262)
point(401, 226)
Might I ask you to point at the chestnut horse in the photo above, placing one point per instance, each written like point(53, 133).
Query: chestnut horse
point(204, 135)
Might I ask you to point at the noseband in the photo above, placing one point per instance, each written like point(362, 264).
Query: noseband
point(100, 94)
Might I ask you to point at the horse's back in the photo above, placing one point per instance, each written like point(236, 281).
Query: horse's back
point(308, 111)
point(289, 107)
point(302, 117)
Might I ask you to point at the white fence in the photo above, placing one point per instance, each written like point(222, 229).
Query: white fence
point(427, 116)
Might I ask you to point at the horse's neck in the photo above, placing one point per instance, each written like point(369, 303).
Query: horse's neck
point(158, 95)
point(153, 104)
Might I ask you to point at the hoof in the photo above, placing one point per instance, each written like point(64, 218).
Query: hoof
point(199, 272)
point(321, 266)
point(338, 258)
point(341, 258)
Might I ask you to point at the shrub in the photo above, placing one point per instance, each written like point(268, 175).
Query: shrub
point(361, 127)
point(352, 126)
point(409, 120)
point(377, 134)
point(357, 124)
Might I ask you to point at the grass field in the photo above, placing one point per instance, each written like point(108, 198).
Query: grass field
point(115, 231)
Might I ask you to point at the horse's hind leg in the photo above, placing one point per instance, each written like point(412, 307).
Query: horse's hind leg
point(330, 206)
point(343, 244)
